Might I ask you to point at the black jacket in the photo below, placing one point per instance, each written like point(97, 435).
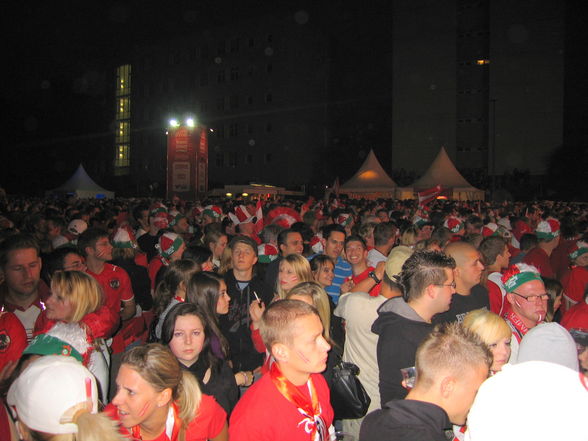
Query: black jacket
point(405, 420)
point(235, 324)
point(400, 331)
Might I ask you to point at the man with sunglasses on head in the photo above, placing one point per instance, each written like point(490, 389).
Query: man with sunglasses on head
point(428, 284)
point(526, 302)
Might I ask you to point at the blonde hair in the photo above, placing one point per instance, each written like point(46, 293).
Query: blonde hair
point(301, 268)
point(91, 427)
point(487, 325)
point(81, 289)
point(159, 367)
point(319, 299)
point(409, 237)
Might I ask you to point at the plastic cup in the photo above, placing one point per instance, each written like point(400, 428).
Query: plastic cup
point(408, 377)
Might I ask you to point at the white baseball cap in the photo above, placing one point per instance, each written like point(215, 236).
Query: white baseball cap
point(50, 391)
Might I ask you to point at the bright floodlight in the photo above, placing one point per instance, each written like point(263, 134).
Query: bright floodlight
point(174, 123)
point(190, 122)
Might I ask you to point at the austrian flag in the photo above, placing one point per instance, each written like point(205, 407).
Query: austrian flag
point(429, 195)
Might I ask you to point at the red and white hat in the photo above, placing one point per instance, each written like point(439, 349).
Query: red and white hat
point(124, 238)
point(455, 224)
point(283, 216)
point(578, 249)
point(344, 219)
point(51, 391)
point(490, 229)
point(212, 211)
point(266, 253)
point(548, 229)
point(518, 274)
point(241, 215)
point(316, 244)
point(158, 212)
point(168, 244)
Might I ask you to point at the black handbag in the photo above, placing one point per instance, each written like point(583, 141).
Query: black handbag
point(348, 396)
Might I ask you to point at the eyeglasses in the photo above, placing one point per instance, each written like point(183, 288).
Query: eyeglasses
point(533, 298)
point(452, 284)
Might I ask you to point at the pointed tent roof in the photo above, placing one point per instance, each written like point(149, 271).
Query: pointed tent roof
point(370, 177)
point(83, 185)
point(441, 172)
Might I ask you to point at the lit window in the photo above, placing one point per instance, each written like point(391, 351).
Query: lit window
point(482, 62)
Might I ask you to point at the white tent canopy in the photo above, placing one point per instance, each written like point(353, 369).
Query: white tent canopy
point(82, 186)
point(443, 172)
point(371, 180)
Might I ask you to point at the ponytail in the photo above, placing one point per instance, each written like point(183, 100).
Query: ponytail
point(96, 427)
point(189, 396)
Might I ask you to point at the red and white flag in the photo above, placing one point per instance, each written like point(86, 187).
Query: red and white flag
point(429, 195)
point(258, 217)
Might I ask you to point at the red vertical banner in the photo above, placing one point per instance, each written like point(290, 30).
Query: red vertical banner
point(202, 167)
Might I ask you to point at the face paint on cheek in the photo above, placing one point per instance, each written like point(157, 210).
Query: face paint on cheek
point(306, 360)
point(145, 409)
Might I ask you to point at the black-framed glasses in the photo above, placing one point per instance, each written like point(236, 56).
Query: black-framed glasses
point(533, 298)
point(452, 284)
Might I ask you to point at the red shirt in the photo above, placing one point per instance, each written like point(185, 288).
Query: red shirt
point(560, 260)
point(28, 316)
point(495, 297)
point(576, 317)
point(375, 291)
point(574, 284)
point(539, 258)
point(209, 422)
point(154, 266)
point(264, 414)
point(116, 285)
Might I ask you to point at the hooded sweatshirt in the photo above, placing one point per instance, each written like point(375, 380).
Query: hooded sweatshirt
point(400, 330)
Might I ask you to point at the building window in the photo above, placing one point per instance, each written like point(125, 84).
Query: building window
point(234, 102)
point(249, 159)
point(204, 78)
point(482, 62)
point(249, 129)
point(220, 76)
point(233, 159)
point(269, 68)
point(123, 80)
point(220, 160)
point(267, 158)
point(269, 38)
point(268, 97)
point(221, 49)
point(204, 106)
point(234, 73)
point(234, 45)
point(122, 132)
point(251, 42)
point(122, 156)
point(234, 130)
point(220, 103)
point(123, 110)
point(220, 131)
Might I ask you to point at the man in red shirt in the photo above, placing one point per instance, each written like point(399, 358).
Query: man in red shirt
point(547, 233)
point(22, 290)
point(292, 400)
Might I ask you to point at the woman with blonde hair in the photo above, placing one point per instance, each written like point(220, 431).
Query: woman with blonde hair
point(156, 397)
point(494, 332)
point(294, 269)
point(313, 294)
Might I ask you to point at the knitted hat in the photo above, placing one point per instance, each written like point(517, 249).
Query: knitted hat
point(578, 249)
point(77, 227)
point(50, 391)
point(316, 244)
point(490, 229)
point(547, 229)
point(13, 338)
point(123, 238)
point(518, 274)
point(267, 253)
point(212, 211)
point(520, 228)
point(168, 244)
point(344, 219)
point(505, 222)
point(454, 224)
point(157, 208)
point(549, 342)
point(419, 221)
point(62, 339)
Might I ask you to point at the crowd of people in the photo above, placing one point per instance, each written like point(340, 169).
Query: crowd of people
point(229, 319)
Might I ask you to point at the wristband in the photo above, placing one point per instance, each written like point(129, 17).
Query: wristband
point(374, 277)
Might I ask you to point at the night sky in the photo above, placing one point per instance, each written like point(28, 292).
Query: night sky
point(58, 74)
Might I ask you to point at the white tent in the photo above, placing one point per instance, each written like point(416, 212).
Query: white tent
point(82, 186)
point(443, 172)
point(370, 181)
